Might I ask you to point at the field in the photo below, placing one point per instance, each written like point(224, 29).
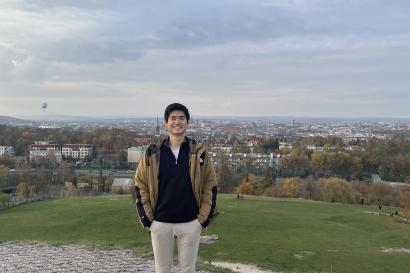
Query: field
point(277, 234)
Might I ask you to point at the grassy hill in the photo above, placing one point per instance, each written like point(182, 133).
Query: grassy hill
point(282, 235)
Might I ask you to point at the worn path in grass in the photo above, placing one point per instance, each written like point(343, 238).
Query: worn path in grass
point(283, 236)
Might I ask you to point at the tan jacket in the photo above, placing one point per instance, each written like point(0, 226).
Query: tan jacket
point(203, 179)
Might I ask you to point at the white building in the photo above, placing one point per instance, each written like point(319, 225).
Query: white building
point(77, 150)
point(134, 154)
point(7, 150)
point(43, 149)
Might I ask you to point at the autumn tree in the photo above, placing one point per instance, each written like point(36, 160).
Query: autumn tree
point(335, 190)
point(33, 190)
point(22, 191)
point(338, 164)
point(290, 187)
point(71, 191)
point(249, 185)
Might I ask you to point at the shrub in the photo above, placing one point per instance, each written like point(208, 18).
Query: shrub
point(269, 191)
point(336, 190)
point(33, 190)
point(4, 197)
point(309, 189)
point(361, 190)
point(383, 192)
point(22, 191)
point(71, 190)
point(404, 198)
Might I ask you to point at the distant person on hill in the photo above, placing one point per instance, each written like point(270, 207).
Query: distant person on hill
point(175, 188)
point(380, 206)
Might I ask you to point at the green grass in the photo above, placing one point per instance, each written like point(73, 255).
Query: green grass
point(262, 231)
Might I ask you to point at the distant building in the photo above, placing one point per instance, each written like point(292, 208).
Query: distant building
point(320, 148)
point(43, 149)
point(7, 150)
point(134, 154)
point(122, 185)
point(232, 129)
point(77, 150)
point(285, 145)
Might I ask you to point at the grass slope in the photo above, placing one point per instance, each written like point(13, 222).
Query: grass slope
point(287, 236)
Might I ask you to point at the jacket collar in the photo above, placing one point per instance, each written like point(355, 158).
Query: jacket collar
point(167, 144)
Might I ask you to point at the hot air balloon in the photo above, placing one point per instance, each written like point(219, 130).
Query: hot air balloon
point(44, 106)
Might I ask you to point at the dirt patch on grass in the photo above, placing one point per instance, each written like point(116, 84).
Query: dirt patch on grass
point(242, 268)
point(396, 250)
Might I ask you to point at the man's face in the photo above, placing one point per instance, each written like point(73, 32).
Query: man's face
point(176, 123)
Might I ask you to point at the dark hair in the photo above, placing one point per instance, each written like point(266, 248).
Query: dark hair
point(176, 107)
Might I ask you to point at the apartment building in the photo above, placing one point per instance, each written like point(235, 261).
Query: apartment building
point(7, 150)
point(77, 150)
point(43, 148)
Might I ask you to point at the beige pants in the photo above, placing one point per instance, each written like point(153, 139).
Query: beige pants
point(186, 235)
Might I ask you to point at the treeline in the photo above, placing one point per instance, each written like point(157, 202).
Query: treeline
point(391, 160)
point(333, 190)
point(109, 139)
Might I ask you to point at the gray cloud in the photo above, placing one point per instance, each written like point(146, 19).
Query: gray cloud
point(224, 57)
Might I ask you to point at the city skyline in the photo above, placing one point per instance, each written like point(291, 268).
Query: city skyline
point(220, 58)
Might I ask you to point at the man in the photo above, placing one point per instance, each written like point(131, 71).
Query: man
point(175, 187)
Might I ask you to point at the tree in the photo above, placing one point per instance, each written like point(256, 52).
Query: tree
point(269, 145)
point(269, 177)
point(310, 189)
point(224, 175)
point(71, 190)
point(87, 178)
point(3, 176)
point(404, 198)
point(290, 187)
point(338, 164)
point(335, 190)
point(22, 191)
point(33, 190)
point(395, 168)
point(249, 185)
point(7, 161)
point(297, 164)
point(239, 147)
point(383, 192)
point(361, 190)
point(64, 173)
point(4, 198)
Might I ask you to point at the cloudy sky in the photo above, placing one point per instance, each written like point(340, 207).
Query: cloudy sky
point(333, 58)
